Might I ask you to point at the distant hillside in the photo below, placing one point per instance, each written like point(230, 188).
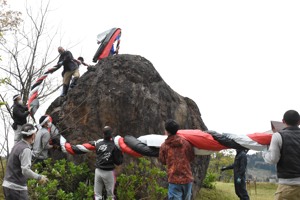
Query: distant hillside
point(258, 169)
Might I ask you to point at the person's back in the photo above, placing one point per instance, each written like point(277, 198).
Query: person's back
point(108, 155)
point(284, 151)
point(14, 172)
point(288, 165)
point(177, 153)
point(39, 149)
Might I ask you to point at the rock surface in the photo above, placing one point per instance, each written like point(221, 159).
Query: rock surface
point(128, 94)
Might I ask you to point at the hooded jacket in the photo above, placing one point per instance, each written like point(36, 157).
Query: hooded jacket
point(177, 153)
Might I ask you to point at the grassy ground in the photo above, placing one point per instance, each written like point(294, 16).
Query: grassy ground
point(225, 191)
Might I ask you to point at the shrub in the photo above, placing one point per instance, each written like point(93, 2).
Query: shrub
point(141, 180)
point(209, 181)
point(67, 181)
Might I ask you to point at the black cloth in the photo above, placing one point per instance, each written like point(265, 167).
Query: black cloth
point(288, 165)
point(108, 155)
point(68, 61)
point(20, 113)
point(239, 170)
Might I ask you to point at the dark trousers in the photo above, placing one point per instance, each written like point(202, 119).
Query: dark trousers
point(240, 189)
point(11, 194)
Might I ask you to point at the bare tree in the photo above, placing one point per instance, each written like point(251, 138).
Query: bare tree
point(28, 54)
point(4, 147)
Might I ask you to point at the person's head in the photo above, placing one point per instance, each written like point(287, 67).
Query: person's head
point(241, 150)
point(107, 133)
point(60, 50)
point(291, 118)
point(81, 59)
point(171, 127)
point(28, 132)
point(45, 121)
point(17, 99)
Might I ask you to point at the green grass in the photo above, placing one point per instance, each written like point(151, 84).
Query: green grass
point(225, 191)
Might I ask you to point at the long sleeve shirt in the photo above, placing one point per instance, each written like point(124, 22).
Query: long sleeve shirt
point(25, 159)
point(272, 156)
point(41, 144)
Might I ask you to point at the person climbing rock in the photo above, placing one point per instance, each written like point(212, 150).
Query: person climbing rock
point(70, 69)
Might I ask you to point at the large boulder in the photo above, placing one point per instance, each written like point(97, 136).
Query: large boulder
point(128, 94)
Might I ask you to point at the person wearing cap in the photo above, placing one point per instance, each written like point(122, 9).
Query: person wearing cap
point(284, 151)
point(70, 69)
point(239, 172)
point(19, 114)
point(18, 168)
point(108, 155)
point(177, 153)
point(41, 144)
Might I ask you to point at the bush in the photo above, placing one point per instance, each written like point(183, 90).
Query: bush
point(141, 180)
point(67, 181)
point(209, 181)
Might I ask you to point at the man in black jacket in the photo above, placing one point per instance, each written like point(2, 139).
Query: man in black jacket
point(108, 155)
point(70, 69)
point(19, 113)
point(239, 171)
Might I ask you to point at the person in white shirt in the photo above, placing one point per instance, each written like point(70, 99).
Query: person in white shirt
point(284, 151)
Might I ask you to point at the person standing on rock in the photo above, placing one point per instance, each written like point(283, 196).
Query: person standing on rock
point(70, 69)
point(108, 155)
point(177, 153)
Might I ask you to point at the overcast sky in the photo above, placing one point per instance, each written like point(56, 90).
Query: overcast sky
point(238, 60)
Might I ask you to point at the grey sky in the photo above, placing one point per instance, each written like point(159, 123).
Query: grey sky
point(238, 60)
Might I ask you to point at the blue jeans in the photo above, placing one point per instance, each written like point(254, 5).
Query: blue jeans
point(180, 191)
